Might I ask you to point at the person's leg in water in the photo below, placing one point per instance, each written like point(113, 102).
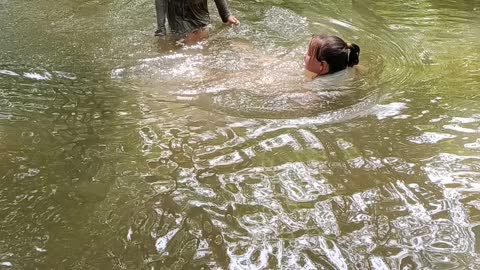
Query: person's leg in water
point(161, 10)
point(189, 19)
point(196, 36)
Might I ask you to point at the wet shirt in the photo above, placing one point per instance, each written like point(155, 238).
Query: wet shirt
point(185, 16)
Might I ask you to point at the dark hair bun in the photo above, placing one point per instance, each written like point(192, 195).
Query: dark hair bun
point(354, 55)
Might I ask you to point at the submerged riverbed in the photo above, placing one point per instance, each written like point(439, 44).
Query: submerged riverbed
point(120, 151)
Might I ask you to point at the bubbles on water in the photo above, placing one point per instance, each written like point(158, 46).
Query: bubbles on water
point(464, 120)
point(8, 73)
point(117, 73)
point(6, 264)
point(162, 242)
point(430, 138)
point(65, 75)
point(461, 129)
point(475, 145)
point(397, 27)
point(312, 141)
point(389, 110)
point(285, 23)
point(37, 76)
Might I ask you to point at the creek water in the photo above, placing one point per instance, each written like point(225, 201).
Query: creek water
point(122, 151)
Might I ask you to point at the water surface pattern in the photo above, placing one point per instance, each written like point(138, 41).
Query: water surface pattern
point(120, 151)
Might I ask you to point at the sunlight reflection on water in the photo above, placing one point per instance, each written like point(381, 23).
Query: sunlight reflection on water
point(118, 151)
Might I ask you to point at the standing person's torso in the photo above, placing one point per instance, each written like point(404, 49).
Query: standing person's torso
point(185, 16)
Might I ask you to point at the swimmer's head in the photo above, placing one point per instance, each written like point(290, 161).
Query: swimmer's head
point(329, 54)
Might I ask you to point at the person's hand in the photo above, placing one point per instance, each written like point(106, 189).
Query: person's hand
point(232, 20)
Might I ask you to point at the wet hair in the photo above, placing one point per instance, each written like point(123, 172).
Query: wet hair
point(335, 51)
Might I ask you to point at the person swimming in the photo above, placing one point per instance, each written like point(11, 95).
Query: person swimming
point(329, 54)
point(267, 86)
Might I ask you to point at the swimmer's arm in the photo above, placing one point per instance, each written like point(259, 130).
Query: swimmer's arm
point(161, 9)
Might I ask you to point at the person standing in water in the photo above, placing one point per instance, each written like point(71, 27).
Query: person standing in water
point(329, 54)
point(189, 19)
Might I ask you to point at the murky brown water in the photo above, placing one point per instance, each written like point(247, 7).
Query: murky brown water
point(118, 151)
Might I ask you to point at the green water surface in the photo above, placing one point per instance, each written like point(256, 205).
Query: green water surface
point(122, 151)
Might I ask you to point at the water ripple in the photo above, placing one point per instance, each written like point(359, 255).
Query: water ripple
point(118, 151)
